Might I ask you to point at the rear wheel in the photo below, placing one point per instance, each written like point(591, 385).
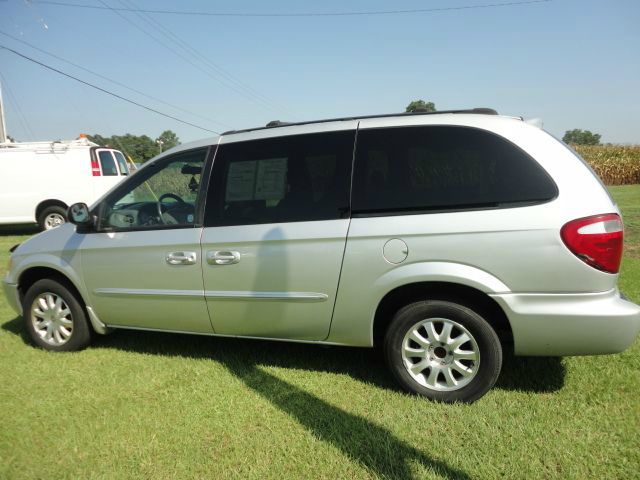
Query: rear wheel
point(52, 217)
point(443, 351)
point(55, 318)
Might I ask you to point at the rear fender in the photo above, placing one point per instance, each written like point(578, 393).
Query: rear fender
point(440, 272)
point(353, 321)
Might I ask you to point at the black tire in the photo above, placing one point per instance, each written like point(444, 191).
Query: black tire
point(80, 331)
point(52, 210)
point(484, 341)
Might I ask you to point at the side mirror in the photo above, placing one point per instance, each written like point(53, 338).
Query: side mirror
point(79, 215)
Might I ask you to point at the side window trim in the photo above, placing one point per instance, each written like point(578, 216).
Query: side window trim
point(206, 178)
point(349, 212)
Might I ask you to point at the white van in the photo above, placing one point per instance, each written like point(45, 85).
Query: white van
point(39, 180)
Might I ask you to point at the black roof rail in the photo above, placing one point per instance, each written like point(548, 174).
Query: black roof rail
point(278, 123)
point(478, 110)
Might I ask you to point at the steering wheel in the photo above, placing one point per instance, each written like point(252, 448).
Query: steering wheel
point(160, 204)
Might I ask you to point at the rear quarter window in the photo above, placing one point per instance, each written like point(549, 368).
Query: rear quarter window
point(437, 168)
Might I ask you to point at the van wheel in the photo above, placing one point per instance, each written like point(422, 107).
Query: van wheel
point(443, 351)
point(55, 318)
point(52, 217)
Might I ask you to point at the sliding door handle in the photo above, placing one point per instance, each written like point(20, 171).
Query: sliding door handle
point(222, 257)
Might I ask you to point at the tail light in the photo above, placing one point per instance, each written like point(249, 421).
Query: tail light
point(95, 168)
point(597, 240)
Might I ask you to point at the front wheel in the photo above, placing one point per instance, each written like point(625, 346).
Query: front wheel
point(55, 318)
point(443, 351)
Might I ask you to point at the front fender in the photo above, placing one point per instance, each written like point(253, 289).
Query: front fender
point(67, 267)
point(58, 249)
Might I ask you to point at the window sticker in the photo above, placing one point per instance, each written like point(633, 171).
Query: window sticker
point(241, 181)
point(271, 179)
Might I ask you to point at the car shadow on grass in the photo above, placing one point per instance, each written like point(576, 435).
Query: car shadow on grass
point(374, 447)
point(16, 327)
point(371, 445)
point(529, 374)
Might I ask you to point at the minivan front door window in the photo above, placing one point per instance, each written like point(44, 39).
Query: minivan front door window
point(162, 194)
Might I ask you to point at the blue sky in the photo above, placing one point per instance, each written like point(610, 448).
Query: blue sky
point(573, 63)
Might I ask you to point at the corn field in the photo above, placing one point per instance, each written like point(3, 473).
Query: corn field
point(615, 164)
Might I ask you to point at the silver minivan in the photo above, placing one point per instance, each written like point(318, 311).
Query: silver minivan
point(444, 238)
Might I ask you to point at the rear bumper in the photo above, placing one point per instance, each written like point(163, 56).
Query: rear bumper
point(570, 324)
point(12, 295)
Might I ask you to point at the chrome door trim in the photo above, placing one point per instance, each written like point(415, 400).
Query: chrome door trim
point(252, 295)
point(134, 292)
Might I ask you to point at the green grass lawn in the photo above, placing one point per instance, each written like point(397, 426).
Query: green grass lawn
point(173, 406)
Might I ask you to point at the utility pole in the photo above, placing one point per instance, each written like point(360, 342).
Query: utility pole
point(3, 128)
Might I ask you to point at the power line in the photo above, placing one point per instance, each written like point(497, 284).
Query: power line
point(307, 14)
point(107, 91)
point(211, 70)
point(16, 106)
point(172, 37)
point(183, 57)
point(115, 82)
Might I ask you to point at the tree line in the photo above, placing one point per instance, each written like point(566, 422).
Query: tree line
point(139, 148)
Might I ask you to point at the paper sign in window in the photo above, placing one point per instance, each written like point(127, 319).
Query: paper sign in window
point(271, 179)
point(241, 181)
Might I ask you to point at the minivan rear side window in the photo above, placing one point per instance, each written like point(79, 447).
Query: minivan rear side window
point(107, 164)
point(285, 179)
point(433, 168)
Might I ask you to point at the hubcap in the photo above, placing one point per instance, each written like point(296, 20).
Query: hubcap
point(51, 319)
point(440, 354)
point(53, 220)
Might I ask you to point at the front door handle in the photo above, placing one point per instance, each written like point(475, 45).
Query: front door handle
point(222, 257)
point(181, 258)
